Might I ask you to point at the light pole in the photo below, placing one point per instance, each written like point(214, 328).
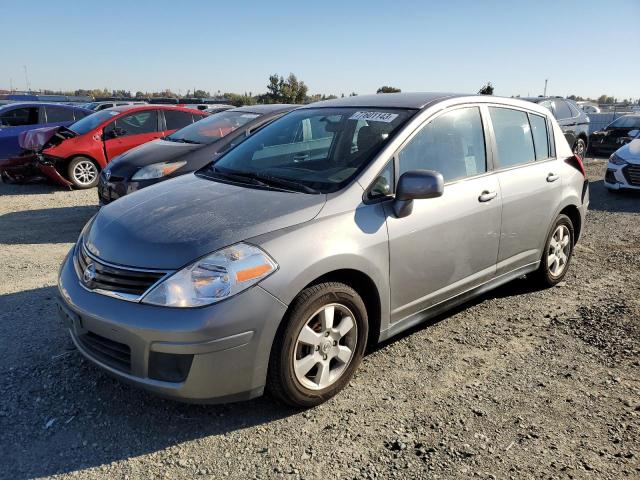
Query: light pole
point(545, 87)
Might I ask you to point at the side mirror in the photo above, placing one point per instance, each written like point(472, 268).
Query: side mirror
point(115, 132)
point(414, 185)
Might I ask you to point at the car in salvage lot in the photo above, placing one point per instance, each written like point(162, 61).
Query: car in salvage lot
point(277, 264)
point(623, 169)
point(19, 117)
point(573, 121)
point(74, 155)
point(184, 151)
point(614, 135)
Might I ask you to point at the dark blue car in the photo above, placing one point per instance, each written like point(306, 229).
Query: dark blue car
point(16, 118)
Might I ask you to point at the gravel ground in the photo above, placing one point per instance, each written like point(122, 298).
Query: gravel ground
point(521, 383)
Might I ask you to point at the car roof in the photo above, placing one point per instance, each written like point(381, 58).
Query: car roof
point(416, 100)
point(540, 99)
point(152, 106)
point(40, 104)
point(265, 108)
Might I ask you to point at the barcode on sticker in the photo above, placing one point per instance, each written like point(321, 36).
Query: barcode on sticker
point(374, 116)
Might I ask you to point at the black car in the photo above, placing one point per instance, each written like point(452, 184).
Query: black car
point(614, 135)
point(572, 120)
point(184, 151)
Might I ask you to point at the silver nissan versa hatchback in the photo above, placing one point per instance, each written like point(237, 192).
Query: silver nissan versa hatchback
point(335, 227)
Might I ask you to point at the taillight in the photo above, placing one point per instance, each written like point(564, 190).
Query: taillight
point(576, 162)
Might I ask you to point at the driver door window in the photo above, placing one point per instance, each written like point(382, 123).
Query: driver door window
point(452, 144)
point(135, 123)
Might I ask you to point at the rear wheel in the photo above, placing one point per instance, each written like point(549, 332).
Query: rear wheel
point(319, 346)
point(580, 147)
point(82, 172)
point(557, 253)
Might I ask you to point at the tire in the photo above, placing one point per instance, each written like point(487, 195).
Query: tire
point(83, 172)
point(304, 340)
point(550, 274)
point(580, 147)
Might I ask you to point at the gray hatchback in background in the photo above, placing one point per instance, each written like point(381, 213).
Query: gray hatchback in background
point(333, 228)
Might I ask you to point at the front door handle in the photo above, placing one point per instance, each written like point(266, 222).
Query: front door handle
point(487, 196)
point(552, 177)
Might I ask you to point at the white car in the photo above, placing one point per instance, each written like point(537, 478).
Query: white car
point(623, 171)
point(586, 108)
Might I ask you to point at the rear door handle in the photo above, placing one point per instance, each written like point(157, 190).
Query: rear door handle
point(552, 177)
point(487, 196)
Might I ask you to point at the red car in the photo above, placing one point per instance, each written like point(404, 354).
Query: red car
point(74, 156)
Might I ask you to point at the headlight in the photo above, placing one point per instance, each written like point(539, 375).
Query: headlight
point(616, 160)
point(157, 170)
point(215, 277)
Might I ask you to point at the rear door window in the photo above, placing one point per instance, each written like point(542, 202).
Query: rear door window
point(540, 136)
point(19, 117)
point(452, 144)
point(513, 137)
point(59, 114)
point(562, 110)
point(175, 119)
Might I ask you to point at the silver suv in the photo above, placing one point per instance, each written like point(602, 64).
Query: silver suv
point(335, 227)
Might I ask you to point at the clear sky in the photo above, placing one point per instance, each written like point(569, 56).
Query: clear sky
point(584, 47)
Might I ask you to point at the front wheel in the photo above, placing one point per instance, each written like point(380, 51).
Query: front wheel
point(83, 172)
point(557, 253)
point(319, 345)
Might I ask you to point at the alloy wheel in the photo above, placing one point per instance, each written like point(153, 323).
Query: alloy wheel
point(559, 250)
point(325, 346)
point(85, 172)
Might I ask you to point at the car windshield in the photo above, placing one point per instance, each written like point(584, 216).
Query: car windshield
point(313, 149)
point(212, 128)
point(90, 122)
point(626, 122)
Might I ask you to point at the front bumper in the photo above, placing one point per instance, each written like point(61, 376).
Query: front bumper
point(116, 187)
point(32, 166)
point(622, 177)
point(227, 344)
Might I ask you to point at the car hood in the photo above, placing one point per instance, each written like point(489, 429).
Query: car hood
point(39, 139)
point(630, 152)
point(173, 223)
point(152, 152)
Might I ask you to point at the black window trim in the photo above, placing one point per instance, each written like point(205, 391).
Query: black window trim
point(528, 164)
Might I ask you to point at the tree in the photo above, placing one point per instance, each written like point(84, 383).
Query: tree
point(240, 100)
point(387, 89)
point(140, 94)
point(487, 89)
point(201, 94)
point(280, 90)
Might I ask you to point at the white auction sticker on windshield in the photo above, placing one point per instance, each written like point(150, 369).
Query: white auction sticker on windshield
point(249, 115)
point(374, 116)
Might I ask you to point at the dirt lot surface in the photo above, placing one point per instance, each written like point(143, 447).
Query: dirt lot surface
point(521, 383)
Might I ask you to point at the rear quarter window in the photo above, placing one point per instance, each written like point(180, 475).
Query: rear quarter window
point(540, 136)
point(59, 114)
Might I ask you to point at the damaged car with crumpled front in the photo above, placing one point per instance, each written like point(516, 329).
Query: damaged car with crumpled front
point(31, 164)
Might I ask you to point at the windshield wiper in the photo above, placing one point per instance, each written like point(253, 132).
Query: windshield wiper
point(182, 140)
point(283, 182)
point(236, 177)
point(265, 180)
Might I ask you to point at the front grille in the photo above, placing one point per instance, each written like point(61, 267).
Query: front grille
point(114, 354)
point(97, 275)
point(632, 174)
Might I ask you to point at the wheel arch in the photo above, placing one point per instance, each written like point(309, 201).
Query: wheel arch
point(368, 291)
point(573, 213)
